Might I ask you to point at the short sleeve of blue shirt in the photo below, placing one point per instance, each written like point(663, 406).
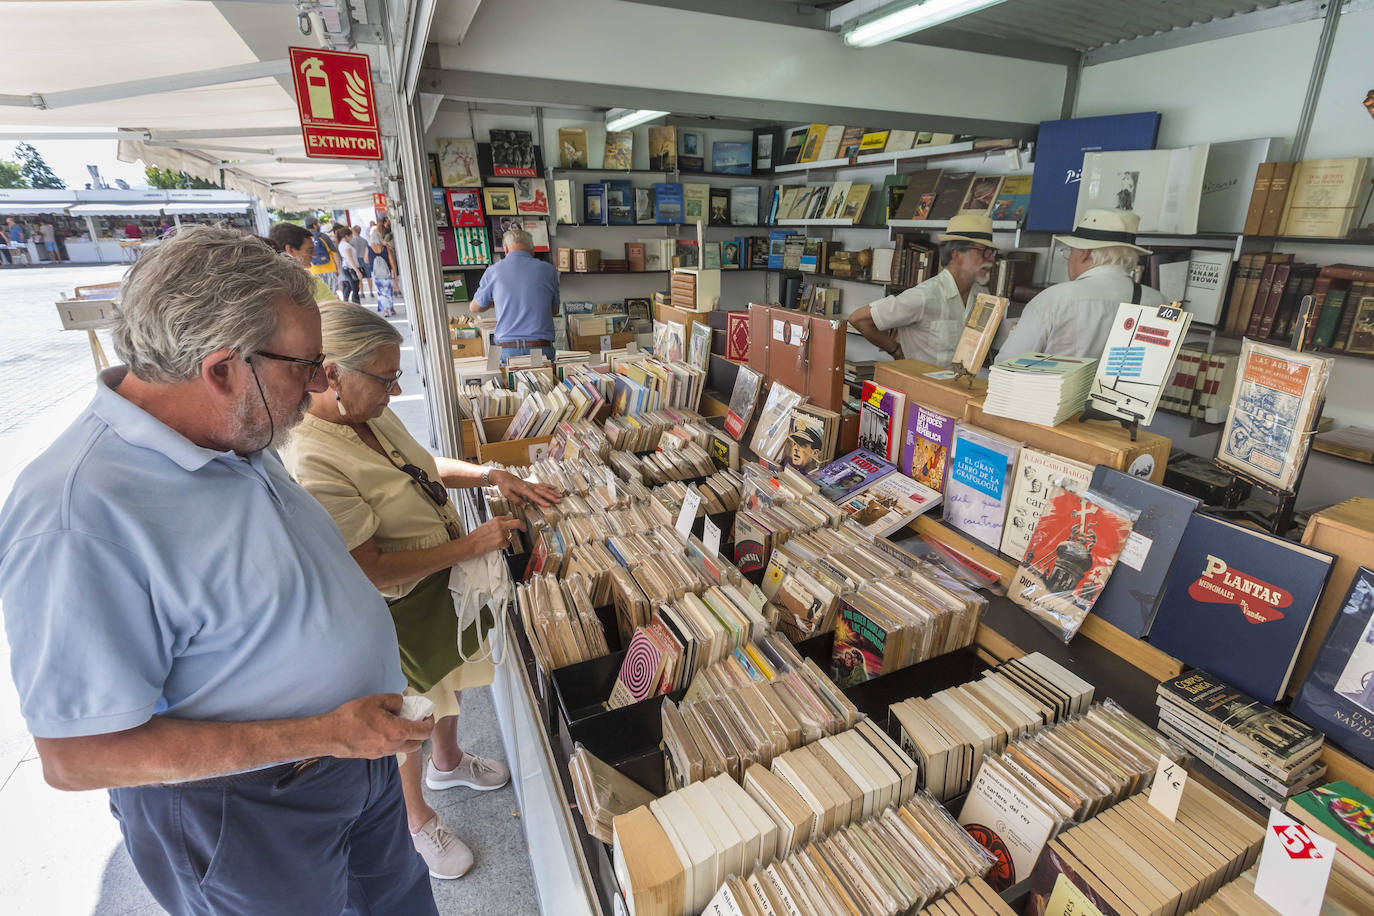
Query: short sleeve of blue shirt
point(93, 598)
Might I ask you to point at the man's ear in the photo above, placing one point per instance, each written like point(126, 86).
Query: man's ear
point(218, 368)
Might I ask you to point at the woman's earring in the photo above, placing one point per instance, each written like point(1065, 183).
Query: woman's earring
point(338, 402)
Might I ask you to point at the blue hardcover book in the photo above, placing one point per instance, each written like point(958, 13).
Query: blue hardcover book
point(777, 247)
point(1131, 596)
point(668, 202)
point(732, 158)
point(1238, 604)
point(845, 476)
point(620, 203)
point(1059, 149)
point(1338, 695)
point(593, 204)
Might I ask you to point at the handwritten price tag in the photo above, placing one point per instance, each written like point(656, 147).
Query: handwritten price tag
point(688, 513)
point(605, 342)
point(710, 536)
point(1294, 866)
point(757, 598)
point(1167, 790)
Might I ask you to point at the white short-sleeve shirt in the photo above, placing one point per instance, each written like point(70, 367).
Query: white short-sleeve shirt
point(1074, 318)
point(927, 318)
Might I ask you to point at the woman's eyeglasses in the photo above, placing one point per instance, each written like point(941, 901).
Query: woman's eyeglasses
point(434, 489)
point(390, 381)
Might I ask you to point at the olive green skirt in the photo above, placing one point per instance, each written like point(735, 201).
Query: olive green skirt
point(427, 632)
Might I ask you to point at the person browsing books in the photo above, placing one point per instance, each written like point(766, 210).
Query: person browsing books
point(524, 291)
point(1074, 318)
point(188, 629)
point(928, 318)
point(387, 495)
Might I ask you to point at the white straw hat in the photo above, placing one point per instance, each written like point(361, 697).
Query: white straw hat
point(1104, 229)
point(969, 227)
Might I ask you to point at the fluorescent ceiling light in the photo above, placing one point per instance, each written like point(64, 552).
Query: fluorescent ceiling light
point(630, 117)
point(908, 17)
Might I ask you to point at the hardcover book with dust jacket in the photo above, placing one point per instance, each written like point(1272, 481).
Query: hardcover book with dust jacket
point(1338, 694)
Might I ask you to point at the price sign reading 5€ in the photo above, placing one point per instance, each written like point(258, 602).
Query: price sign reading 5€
point(1294, 866)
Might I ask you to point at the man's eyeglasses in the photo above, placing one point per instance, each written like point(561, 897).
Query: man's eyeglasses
point(315, 364)
point(390, 381)
point(434, 489)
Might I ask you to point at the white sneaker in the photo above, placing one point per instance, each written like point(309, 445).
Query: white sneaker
point(473, 772)
point(447, 856)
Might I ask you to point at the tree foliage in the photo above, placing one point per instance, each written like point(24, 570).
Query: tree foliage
point(166, 179)
point(34, 169)
point(10, 175)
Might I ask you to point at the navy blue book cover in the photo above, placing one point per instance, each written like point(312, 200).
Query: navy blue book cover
point(620, 202)
point(1059, 149)
point(1131, 596)
point(668, 202)
point(593, 204)
point(1338, 695)
point(1239, 603)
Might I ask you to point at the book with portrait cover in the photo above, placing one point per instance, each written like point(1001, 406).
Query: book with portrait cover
point(1338, 694)
point(1133, 592)
point(925, 445)
point(1238, 603)
point(978, 483)
point(512, 153)
point(1036, 473)
point(851, 473)
point(1071, 554)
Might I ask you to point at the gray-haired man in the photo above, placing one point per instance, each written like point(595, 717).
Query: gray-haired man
point(524, 291)
point(187, 627)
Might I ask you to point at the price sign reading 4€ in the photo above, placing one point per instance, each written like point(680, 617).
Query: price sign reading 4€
point(1167, 789)
point(1294, 866)
point(710, 536)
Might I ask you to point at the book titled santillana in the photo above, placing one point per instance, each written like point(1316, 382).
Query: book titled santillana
point(1274, 409)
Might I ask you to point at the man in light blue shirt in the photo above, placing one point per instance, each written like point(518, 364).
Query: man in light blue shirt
point(186, 625)
point(525, 293)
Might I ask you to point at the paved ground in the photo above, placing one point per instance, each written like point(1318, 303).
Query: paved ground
point(61, 853)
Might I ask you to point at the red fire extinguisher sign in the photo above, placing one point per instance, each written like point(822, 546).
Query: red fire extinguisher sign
point(337, 107)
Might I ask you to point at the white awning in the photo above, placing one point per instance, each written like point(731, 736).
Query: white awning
point(207, 208)
point(7, 209)
point(116, 209)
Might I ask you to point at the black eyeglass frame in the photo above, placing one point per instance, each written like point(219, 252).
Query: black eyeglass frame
point(390, 382)
point(315, 364)
point(434, 489)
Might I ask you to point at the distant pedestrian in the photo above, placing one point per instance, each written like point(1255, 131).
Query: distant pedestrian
point(132, 231)
point(293, 241)
point(11, 227)
point(49, 232)
point(359, 243)
point(324, 261)
point(379, 262)
point(349, 279)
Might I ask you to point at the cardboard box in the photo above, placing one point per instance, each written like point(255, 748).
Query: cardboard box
point(1347, 530)
point(464, 347)
point(516, 452)
point(495, 428)
point(914, 379)
point(591, 343)
point(1091, 442)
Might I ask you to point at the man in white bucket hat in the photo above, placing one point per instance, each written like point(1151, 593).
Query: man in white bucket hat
point(928, 318)
point(1073, 318)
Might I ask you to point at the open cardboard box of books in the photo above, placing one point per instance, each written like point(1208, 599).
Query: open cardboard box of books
point(591, 343)
point(518, 452)
point(494, 427)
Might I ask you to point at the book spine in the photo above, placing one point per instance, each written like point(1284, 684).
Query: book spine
point(1352, 298)
point(1276, 200)
point(1266, 283)
point(1234, 293)
point(1331, 314)
point(1271, 304)
point(1300, 284)
point(1260, 192)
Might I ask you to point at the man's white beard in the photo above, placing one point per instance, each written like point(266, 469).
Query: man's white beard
point(252, 426)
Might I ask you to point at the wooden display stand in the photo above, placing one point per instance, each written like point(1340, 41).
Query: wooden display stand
point(1089, 441)
point(684, 317)
point(1346, 530)
point(934, 386)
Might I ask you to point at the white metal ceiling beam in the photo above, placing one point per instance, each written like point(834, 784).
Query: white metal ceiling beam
point(170, 83)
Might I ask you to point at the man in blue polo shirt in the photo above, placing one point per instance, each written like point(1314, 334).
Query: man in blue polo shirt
point(186, 625)
point(524, 291)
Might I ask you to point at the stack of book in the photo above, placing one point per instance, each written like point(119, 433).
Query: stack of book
point(1344, 894)
point(1201, 385)
point(1266, 753)
point(719, 492)
point(1039, 388)
point(950, 732)
point(1317, 197)
point(560, 620)
point(1024, 796)
point(603, 793)
point(806, 575)
point(1132, 859)
point(760, 526)
point(641, 432)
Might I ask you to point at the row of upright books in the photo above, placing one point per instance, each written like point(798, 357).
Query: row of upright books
point(1267, 295)
point(1316, 197)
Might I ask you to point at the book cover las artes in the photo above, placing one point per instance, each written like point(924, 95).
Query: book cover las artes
point(1238, 604)
point(1072, 552)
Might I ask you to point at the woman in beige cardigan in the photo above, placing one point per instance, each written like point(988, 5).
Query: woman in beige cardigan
point(389, 497)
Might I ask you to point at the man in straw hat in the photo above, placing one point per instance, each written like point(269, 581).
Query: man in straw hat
point(1073, 318)
point(928, 318)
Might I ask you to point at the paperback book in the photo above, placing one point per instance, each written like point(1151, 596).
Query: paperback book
point(1071, 554)
point(1138, 361)
point(619, 146)
point(1338, 694)
point(847, 475)
point(880, 420)
point(1238, 603)
point(979, 484)
point(979, 329)
point(1036, 473)
point(889, 504)
point(926, 440)
point(512, 153)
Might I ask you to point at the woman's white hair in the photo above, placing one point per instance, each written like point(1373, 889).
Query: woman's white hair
point(1115, 255)
point(204, 289)
point(352, 335)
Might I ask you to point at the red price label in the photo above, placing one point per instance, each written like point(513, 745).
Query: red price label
point(1296, 842)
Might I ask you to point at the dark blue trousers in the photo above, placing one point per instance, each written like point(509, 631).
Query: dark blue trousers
point(329, 840)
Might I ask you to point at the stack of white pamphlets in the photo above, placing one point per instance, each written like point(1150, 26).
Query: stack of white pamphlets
point(1039, 387)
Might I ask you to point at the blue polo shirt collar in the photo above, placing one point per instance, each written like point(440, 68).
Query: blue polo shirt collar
point(139, 428)
point(518, 253)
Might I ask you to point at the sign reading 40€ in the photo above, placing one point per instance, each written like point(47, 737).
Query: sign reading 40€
point(337, 108)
